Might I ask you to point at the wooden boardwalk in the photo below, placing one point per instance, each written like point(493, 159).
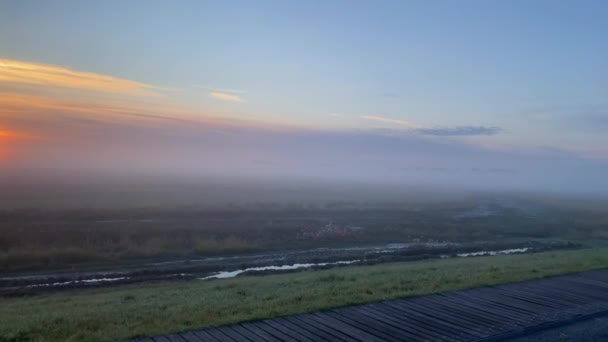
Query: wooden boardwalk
point(481, 314)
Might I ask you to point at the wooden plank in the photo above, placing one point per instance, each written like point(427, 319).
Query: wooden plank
point(493, 297)
point(582, 289)
point(587, 281)
point(509, 300)
point(190, 337)
point(599, 276)
point(392, 325)
point(253, 328)
point(474, 318)
point(403, 322)
point(413, 323)
point(406, 321)
point(161, 339)
point(566, 297)
point(290, 332)
point(291, 337)
point(238, 333)
point(219, 335)
point(424, 322)
point(493, 310)
point(514, 312)
point(464, 322)
point(379, 328)
point(372, 329)
point(320, 332)
point(205, 336)
point(175, 338)
point(465, 311)
point(304, 332)
point(432, 320)
point(532, 299)
point(350, 330)
point(564, 301)
point(326, 328)
point(519, 317)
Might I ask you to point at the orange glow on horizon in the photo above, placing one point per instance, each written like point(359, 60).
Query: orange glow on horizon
point(59, 107)
point(7, 137)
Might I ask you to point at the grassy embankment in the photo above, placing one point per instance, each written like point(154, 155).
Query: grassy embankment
point(129, 311)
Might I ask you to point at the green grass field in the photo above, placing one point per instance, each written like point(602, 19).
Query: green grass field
point(120, 313)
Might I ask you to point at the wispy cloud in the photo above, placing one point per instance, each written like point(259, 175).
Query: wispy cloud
point(19, 72)
point(225, 96)
point(460, 131)
point(436, 131)
point(222, 90)
point(404, 123)
point(43, 108)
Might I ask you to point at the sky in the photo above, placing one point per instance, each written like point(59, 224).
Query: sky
point(406, 91)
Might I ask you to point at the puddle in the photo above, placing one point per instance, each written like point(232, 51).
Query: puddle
point(232, 274)
point(232, 266)
point(504, 251)
point(76, 282)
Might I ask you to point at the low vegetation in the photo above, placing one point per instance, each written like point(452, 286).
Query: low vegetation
point(126, 312)
point(42, 240)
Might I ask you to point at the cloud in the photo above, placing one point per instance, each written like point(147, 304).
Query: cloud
point(225, 96)
point(19, 72)
point(63, 118)
point(389, 120)
point(221, 90)
point(460, 131)
point(437, 131)
point(36, 106)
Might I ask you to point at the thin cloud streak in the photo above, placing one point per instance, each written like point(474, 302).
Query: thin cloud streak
point(36, 106)
point(389, 120)
point(36, 74)
point(222, 90)
point(437, 131)
point(225, 96)
point(43, 112)
point(460, 131)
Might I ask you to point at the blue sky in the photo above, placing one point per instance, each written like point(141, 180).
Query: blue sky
point(516, 76)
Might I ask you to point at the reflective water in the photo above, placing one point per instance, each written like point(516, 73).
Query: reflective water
point(231, 274)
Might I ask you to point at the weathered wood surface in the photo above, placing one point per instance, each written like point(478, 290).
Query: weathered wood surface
point(482, 314)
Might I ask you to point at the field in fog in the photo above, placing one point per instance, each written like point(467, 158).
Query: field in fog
point(158, 225)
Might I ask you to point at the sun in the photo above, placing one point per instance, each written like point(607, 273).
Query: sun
point(7, 137)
